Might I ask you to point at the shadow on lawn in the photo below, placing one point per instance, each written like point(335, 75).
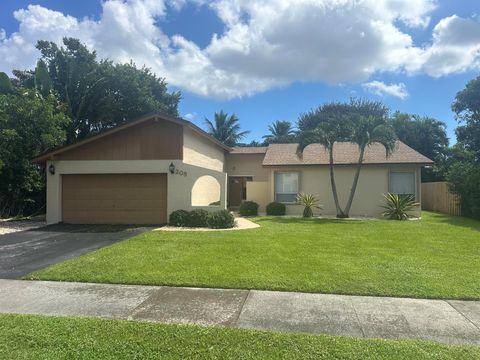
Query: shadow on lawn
point(453, 220)
point(299, 220)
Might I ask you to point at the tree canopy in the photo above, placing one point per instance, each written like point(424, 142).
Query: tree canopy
point(426, 135)
point(225, 128)
point(29, 124)
point(467, 109)
point(281, 132)
point(97, 94)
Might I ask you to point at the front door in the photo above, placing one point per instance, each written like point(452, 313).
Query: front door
point(237, 190)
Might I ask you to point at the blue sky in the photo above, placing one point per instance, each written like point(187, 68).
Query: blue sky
point(265, 65)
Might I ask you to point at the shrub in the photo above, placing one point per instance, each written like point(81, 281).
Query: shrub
point(249, 208)
point(179, 218)
point(221, 219)
point(197, 218)
point(275, 208)
point(464, 178)
point(309, 201)
point(398, 206)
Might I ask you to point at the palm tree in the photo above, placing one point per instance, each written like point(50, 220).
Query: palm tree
point(368, 130)
point(226, 129)
point(360, 122)
point(281, 132)
point(331, 128)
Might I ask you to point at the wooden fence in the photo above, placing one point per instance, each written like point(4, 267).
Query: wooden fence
point(437, 197)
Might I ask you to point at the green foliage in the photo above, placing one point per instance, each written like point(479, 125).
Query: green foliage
point(221, 219)
point(5, 84)
point(467, 108)
point(276, 208)
point(464, 178)
point(43, 83)
point(100, 94)
point(309, 202)
point(398, 206)
point(29, 124)
point(225, 128)
point(281, 132)
point(248, 208)
point(427, 136)
point(179, 218)
point(197, 218)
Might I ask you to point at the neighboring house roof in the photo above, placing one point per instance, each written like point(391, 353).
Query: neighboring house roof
point(249, 150)
point(50, 153)
point(344, 153)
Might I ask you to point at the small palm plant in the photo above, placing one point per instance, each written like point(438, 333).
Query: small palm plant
point(398, 206)
point(309, 201)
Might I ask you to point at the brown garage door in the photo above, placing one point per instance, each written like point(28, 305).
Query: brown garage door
point(114, 199)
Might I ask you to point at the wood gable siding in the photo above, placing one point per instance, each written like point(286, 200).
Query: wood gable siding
point(151, 140)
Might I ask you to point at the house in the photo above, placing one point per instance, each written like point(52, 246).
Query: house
point(139, 172)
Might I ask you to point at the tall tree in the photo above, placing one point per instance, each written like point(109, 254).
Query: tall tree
point(281, 132)
point(359, 121)
point(426, 135)
point(29, 124)
point(101, 94)
point(467, 109)
point(325, 127)
point(368, 130)
point(225, 128)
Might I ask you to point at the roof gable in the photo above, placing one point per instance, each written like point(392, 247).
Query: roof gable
point(345, 153)
point(154, 116)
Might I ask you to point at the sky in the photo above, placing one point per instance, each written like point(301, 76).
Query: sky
point(268, 60)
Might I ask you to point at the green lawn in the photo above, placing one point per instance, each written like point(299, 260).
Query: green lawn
point(436, 257)
point(38, 337)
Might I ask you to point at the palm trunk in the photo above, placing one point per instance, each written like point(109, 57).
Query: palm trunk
point(334, 186)
point(355, 182)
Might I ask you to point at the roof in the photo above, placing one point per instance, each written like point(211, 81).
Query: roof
point(48, 154)
point(344, 153)
point(249, 150)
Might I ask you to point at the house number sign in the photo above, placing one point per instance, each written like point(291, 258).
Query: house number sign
point(180, 172)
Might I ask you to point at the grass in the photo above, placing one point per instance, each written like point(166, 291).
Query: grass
point(436, 257)
point(38, 337)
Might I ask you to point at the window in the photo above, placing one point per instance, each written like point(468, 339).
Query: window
point(402, 183)
point(286, 187)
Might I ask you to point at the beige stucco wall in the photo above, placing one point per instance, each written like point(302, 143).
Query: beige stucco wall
point(179, 187)
point(247, 165)
point(372, 184)
point(258, 191)
point(201, 152)
point(205, 191)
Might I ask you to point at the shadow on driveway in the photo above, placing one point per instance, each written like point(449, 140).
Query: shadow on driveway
point(26, 251)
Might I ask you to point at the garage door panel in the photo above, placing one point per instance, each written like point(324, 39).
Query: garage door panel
point(115, 204)
point(114, 199)
point(113, 194)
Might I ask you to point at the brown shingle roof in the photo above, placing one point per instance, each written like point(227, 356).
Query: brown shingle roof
point(249, 150)
point(344, 153)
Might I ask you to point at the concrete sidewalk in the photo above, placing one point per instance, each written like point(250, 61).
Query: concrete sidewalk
point(448, 321)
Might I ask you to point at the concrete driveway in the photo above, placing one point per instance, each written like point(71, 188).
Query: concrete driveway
point(26, 251)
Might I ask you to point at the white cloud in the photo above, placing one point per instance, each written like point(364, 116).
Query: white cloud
point(190, 116)
point(266, 43)
point(381, 89)
point(455, 48)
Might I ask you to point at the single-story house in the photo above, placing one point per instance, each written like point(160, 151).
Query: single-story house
point(139, 172)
